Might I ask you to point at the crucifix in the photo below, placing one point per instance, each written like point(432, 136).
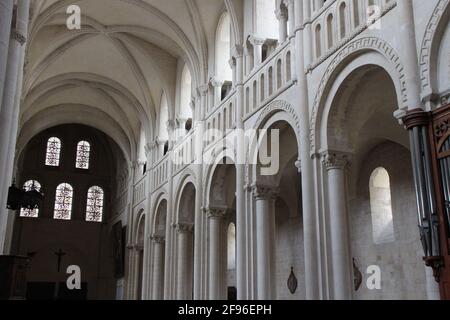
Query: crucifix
point(60, 254)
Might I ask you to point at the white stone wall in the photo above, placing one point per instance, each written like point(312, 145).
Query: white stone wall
point(402, 269)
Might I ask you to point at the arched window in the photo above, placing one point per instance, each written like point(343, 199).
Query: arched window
point(29, 186)
point(83, 155)
point(53, 154)
point(186, 94)
point(381, 207)
point(94, 206)
point(266, 20)
point(318, 33)
point(343, 19)
point(63, 202)
point(231, 247)
point(163, 133)
point(330, 32)
point(356, 19)
point(223, 49)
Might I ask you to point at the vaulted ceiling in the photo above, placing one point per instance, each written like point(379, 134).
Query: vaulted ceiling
point(111, 74)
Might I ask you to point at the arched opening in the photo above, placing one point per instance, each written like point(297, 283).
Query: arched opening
point(185, 243)
point(140, 242)
point(380, 197)
point(318, 36)
point(343, 20)
point(185, 111)
point(163, 131)
point(381, 206)
point(159, 251)
point(330, 31)
point(223, 49)
point(73, 225)
point(279, 218)
point(222, 227)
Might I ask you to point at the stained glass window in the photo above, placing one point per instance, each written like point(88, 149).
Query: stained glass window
point(94, 208)
point(29, 186)
point(83, 154)
point(53, 152)
point(63, 202)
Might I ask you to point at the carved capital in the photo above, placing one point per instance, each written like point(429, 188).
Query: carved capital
point(256, 41)
point(20, 38)
point(157, 239)
point(215, 82)
point(216, 212)
point(261, 192)
point(281, 14)
point(237, 51)
point(184, 227)
point(335, 160)
point(203, 89)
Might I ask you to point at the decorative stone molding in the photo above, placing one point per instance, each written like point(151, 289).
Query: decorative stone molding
point(184, 227)
point(274, 107)
point(357, 46)
point(261, 192)
point(427, 45)
point(335, 160)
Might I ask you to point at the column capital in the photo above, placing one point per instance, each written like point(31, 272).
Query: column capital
point(216, 212)
point(215, 82)
point(281, 14)
point(256, 41)
point(20, 38)
point(335, 160)
point(416, 118)
point(184, 227)
point(157, 239)
point(262, 192)
point(203, 89)
point(237, 51)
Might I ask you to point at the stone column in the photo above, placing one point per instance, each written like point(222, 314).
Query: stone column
point(241, 242)
point(215, 219)
point(303, 45)
point(9, 112)
point(199, 269)
point(265, 222)
point(291, 17)
point(335, 164)
point(6, 10)
point(282, 16)
point(184, 276)
point(158, 268)
point(257, 50)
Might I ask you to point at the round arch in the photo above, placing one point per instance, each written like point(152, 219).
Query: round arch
point(363, 51)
